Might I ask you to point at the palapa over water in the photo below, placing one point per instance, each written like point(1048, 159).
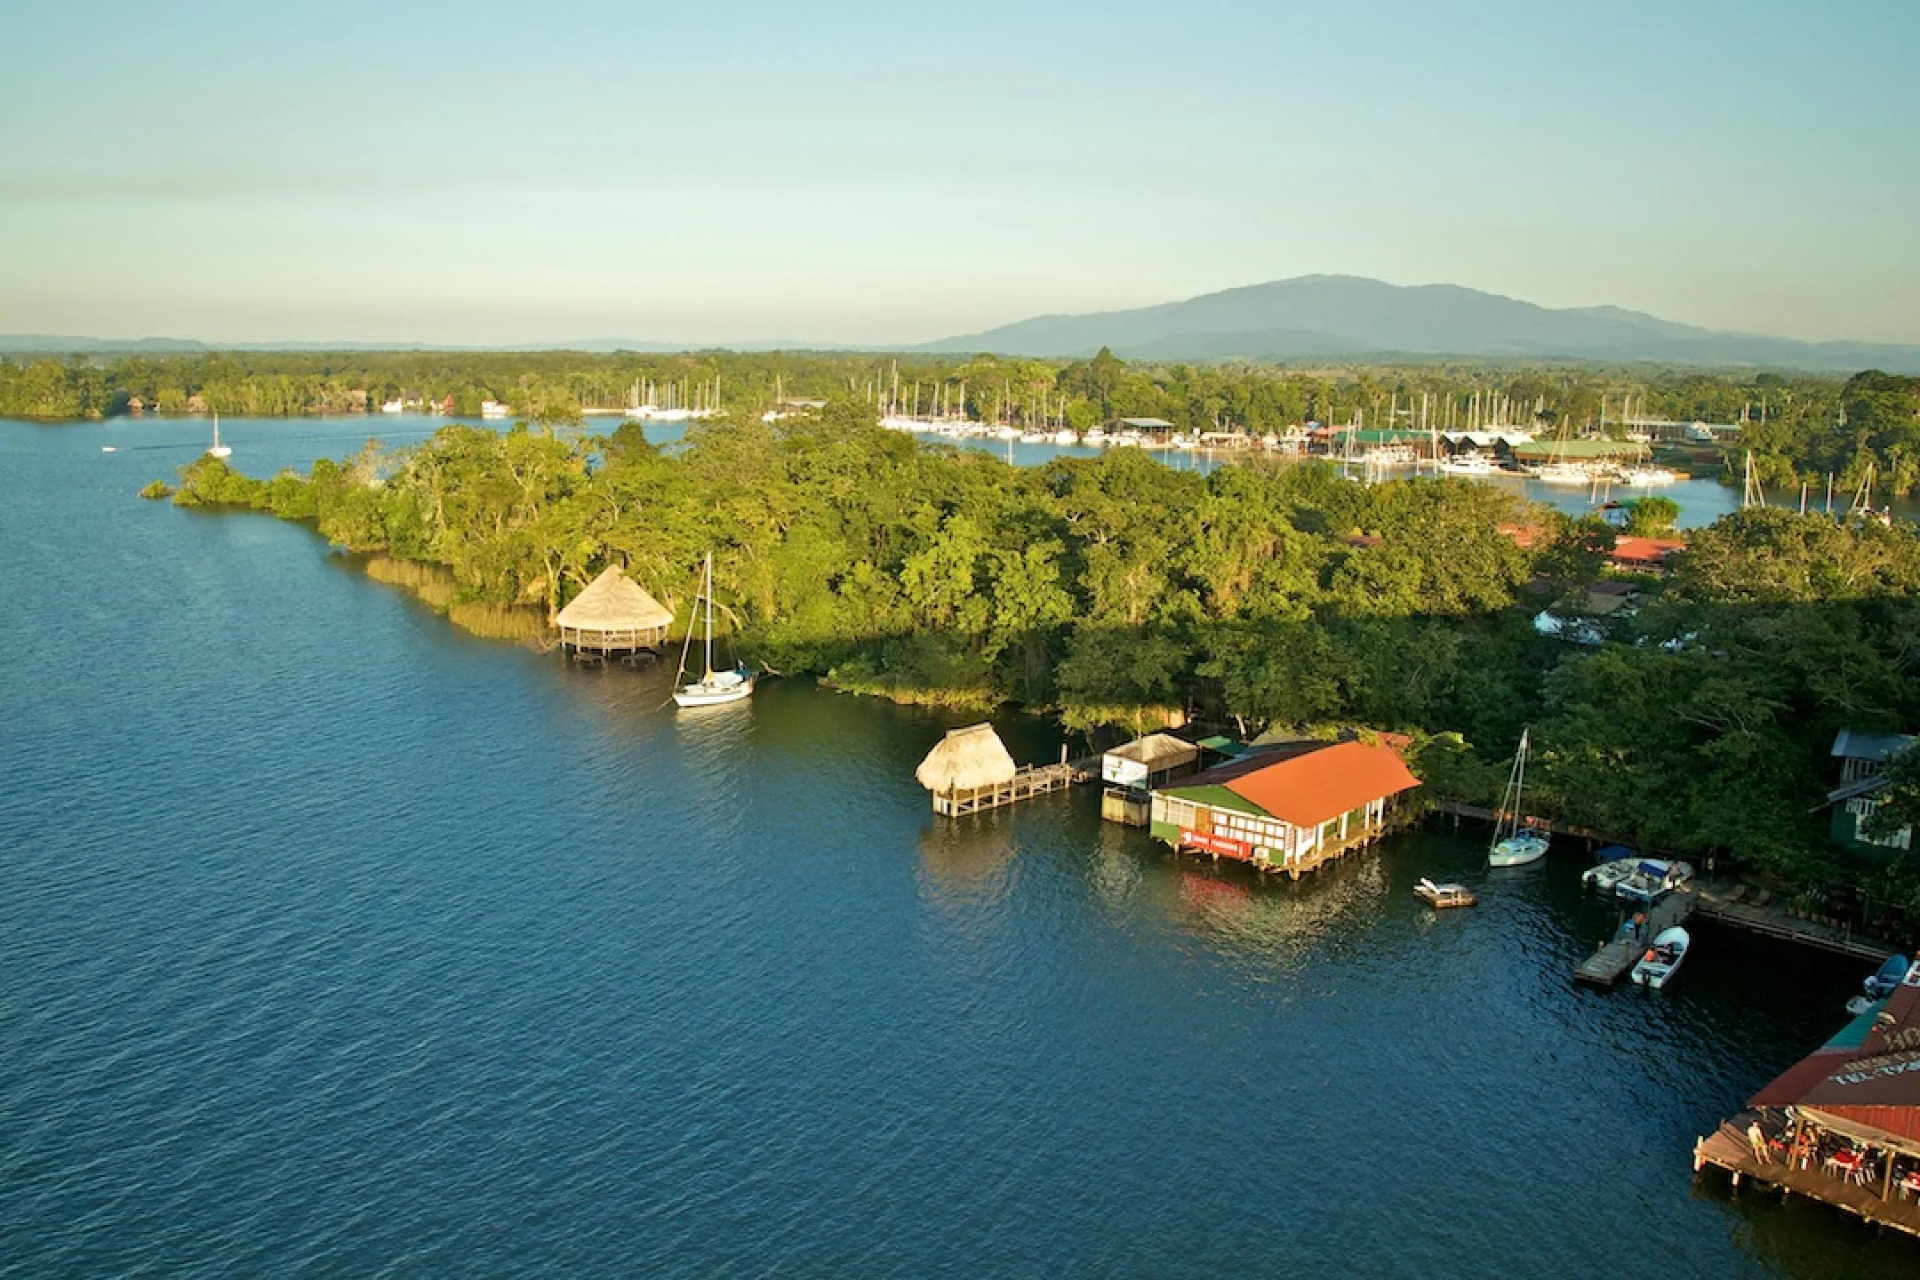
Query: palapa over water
point(613, 615)
point(965, 759)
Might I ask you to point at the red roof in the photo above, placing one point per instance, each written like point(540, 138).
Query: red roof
point(1309, 789)
point(1523, 535)
point(1644, 550)
point(1875, 1082)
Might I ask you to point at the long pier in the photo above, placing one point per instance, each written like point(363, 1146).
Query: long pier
point(1610, 963)
point(956, 802)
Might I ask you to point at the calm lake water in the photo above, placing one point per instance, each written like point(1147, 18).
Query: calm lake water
point(340, 943)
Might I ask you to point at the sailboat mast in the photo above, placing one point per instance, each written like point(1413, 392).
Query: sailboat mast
point(709, 615)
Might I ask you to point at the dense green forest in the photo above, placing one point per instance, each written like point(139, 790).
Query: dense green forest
point(1123, 594)
point(1799, 427)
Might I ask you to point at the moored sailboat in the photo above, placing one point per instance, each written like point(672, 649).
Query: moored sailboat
point(1515, 844)
point(715, 687)
point(218, 450)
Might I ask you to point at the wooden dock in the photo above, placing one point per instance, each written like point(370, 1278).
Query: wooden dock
point(1610, 963)
point(957, 802)
point(1727, 1149)
point(1721, 903)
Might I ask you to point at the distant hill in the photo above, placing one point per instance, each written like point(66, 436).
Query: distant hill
point(60, 344)
point(1316, 317)
point(1345, 318)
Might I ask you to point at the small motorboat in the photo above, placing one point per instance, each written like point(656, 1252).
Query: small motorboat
point(1442, 896)
point(1608, 874)
point(1652, 878)
point(109, 448)
point(1860, 1004)
point(1663, 958)
point(1887, 978)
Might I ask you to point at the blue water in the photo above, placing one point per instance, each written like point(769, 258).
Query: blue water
point(339, 943)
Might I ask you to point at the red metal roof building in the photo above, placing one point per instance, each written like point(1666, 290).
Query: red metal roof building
point(1288, 809)
point(1630, 552)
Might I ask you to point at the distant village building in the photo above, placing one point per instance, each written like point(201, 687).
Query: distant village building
point(1643, 555)
point(1289, 809)
point(1863, 758)
point(614, 616)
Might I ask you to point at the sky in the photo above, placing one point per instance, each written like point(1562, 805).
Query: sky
point(494, 173)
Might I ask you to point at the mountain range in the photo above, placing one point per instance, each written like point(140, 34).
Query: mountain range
point(1353, 319)
point(1309, 318)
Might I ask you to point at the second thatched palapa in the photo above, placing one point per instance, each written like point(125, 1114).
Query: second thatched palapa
point(966, 759)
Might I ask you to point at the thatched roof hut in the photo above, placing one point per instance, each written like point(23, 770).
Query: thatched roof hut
point(965, 759)
point(1146, 760)
point(613, 615)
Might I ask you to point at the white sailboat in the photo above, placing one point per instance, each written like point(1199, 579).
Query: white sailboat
point(716, 687)
point(218, 450)
point(1515, 845)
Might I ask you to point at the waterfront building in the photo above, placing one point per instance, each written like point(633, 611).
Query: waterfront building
point(613, 617)
point(1130, 773)
point(1842, 1125)
point(1290, 808)
point(1863, 758)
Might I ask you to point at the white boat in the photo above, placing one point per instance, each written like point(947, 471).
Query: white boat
point(1515, 845)
point(218, 450)
point(1569, 474)
point(716, 687)
point(1066, 436)
point(1608, 874)
point(1468, 464)
point(1652, 878)
point(1663, 958)
point(109, 448)
point(394, 406)
point(1648, 477)
point(494, 409)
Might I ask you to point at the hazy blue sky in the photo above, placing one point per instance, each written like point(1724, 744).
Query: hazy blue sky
point(491, 172)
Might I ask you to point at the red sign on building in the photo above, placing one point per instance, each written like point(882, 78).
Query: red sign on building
point(1206, 843)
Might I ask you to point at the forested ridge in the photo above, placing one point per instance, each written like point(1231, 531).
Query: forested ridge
point(1121, 593)
point(1798, 427)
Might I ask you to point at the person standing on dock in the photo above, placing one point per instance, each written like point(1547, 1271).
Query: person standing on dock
point(1758, 1141)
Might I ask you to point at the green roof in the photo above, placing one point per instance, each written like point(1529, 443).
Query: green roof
point(1216, 797)
point(1225, 746)
point(1383, 435)
point(1574, 450)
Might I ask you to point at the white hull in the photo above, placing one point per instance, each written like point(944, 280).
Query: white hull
point(1518, 851)
point(1557, 473)
point(1663, 958)
point(1608, 874)
point(705, 694)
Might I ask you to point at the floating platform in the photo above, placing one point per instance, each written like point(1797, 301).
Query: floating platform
point(1727, 1149)
point(1610, 963)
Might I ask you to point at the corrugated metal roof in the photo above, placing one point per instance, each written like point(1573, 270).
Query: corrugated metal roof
point(1852, 744)
point(1318, 785)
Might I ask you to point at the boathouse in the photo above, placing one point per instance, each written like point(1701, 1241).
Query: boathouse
point(613, 617)
point(1289, 809)
point(1130, 772)
point(1842, 1125)
point(970, 770)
